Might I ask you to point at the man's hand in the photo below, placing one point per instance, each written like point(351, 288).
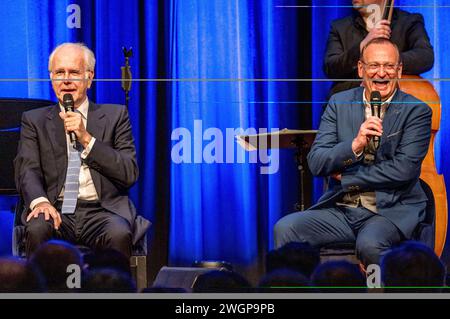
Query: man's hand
point(73, 122)
point(381, 30)
point(49, 211)
point(371, 127)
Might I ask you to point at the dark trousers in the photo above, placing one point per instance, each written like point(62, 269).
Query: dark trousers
point(90, 225)
point(373, 234)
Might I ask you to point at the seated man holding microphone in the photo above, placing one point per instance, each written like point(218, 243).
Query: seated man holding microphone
point(373, 158)
point(76, 161)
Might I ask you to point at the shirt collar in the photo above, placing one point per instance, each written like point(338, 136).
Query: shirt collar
point(83, 108)
point(387, 102)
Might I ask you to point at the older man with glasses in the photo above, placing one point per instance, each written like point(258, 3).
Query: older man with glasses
point(74, 166)
point(374, 197)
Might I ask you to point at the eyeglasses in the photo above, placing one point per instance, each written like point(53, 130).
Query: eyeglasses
point(375, 67)
point(71, 75)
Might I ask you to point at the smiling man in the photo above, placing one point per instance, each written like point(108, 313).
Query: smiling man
point(380, 68)
point(374, 197)
point(76, 190)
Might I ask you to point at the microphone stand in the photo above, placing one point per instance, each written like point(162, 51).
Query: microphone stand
point(126, 74)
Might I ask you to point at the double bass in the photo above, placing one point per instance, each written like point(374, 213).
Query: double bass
point(424, 91)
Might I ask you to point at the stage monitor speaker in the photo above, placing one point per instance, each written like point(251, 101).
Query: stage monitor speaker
point(180, 277)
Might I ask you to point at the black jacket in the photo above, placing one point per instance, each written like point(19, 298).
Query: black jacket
point(41, 161)
point(346, 34)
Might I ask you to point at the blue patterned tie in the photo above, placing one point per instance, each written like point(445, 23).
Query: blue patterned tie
point(72, 179)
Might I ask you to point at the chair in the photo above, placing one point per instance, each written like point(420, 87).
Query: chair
point(11, 112)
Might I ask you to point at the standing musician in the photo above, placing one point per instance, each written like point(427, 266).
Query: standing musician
point(350, 34)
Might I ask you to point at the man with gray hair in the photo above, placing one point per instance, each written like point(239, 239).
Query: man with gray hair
point(75, 188)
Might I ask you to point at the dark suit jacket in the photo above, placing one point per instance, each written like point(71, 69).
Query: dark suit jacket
point(342, 52)
point(41, 161)
point(395, 174)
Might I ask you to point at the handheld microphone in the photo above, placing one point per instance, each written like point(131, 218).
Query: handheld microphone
point(375, 105)
point(69, 105)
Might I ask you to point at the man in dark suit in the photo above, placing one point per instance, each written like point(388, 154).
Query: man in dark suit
point(348, 35)
point(99, 214)
point(374, 196)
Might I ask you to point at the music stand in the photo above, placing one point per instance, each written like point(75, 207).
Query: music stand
point(301, 140)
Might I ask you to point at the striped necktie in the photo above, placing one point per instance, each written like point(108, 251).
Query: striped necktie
point(72, 179)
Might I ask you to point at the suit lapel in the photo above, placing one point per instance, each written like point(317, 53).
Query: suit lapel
point(96, 124)
point(358, 111)
point(96, 121)
point(392, 115)
point(57, 139)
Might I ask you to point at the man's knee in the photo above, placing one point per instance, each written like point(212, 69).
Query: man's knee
point(369, 250)
point(119, 232)
point(289, 229)
point(37, 231)
point(39, 227)
point(371, 245)
point(281, 227)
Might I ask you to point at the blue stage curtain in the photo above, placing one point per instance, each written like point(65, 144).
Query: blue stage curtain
point(227, 211)
point(323, 12)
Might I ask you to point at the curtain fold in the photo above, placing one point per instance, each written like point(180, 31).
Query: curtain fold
point(227, 210)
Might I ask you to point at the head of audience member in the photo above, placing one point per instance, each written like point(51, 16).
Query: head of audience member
point(283, 280)
point(380, 67)
point(18, 276)
point(220, 281)
point(412, 264)
point(161, 289)
point(52, 259)
point(71, 67)
point(339, 276)
point(107, 258)
point(108, 281)
point(300, 257)
point(362, 6)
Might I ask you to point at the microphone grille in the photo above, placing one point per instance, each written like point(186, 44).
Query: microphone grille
point(67, 98)
point(375, 96)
